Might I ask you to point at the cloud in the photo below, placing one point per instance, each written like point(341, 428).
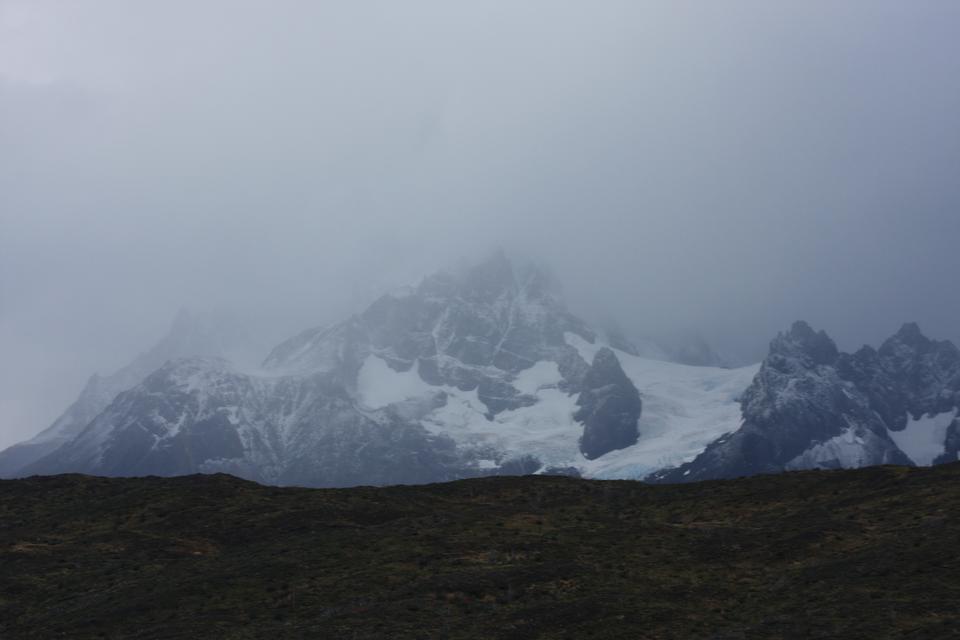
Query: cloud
point(679, 164)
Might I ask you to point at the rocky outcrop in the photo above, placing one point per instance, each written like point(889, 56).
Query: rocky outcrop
point(609, 407)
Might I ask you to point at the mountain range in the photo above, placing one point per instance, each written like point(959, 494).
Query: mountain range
point(484, 371)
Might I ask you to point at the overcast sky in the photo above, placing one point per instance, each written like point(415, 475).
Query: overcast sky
point(726, 167)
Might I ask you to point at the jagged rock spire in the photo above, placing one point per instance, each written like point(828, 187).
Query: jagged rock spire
point(610, 406)
point(816, 348)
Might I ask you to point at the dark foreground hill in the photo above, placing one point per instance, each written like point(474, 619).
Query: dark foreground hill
point(871, 553)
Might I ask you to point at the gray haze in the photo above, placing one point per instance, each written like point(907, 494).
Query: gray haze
point(725, 167)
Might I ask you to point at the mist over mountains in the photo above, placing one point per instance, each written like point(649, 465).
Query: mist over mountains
point(698, 178)
point(483, 370)
point(725, 170)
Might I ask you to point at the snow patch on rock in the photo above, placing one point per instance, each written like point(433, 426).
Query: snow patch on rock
point(378, 385)
point(544, 374)
point(849, 450)
point(924, 438)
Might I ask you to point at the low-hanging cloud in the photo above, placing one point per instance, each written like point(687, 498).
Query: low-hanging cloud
point(722, 167)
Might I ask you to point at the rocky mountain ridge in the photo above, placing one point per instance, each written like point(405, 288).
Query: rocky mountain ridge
point(812, 406)
point(189, 335)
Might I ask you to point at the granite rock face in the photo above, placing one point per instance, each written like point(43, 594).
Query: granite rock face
point(610, 407)
point(909, 374)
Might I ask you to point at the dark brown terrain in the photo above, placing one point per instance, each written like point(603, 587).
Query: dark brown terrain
point(871, 553)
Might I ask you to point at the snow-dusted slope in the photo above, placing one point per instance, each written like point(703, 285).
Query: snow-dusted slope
point(189, 335)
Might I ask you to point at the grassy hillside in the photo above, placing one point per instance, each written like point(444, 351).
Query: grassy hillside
point(851, 554)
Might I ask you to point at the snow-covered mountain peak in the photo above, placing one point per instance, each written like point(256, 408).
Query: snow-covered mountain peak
point(909, 344)
point(910, 333)
point(487, 281)
point(190, 334)
point(190, 374)
point(322, 348)
point(802, 347)
point(493, 281)
point(474, 328)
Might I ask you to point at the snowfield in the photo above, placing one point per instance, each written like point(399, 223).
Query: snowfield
point(684, 409)
point(924, 438)
point(379, 386)
point(849, 450)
